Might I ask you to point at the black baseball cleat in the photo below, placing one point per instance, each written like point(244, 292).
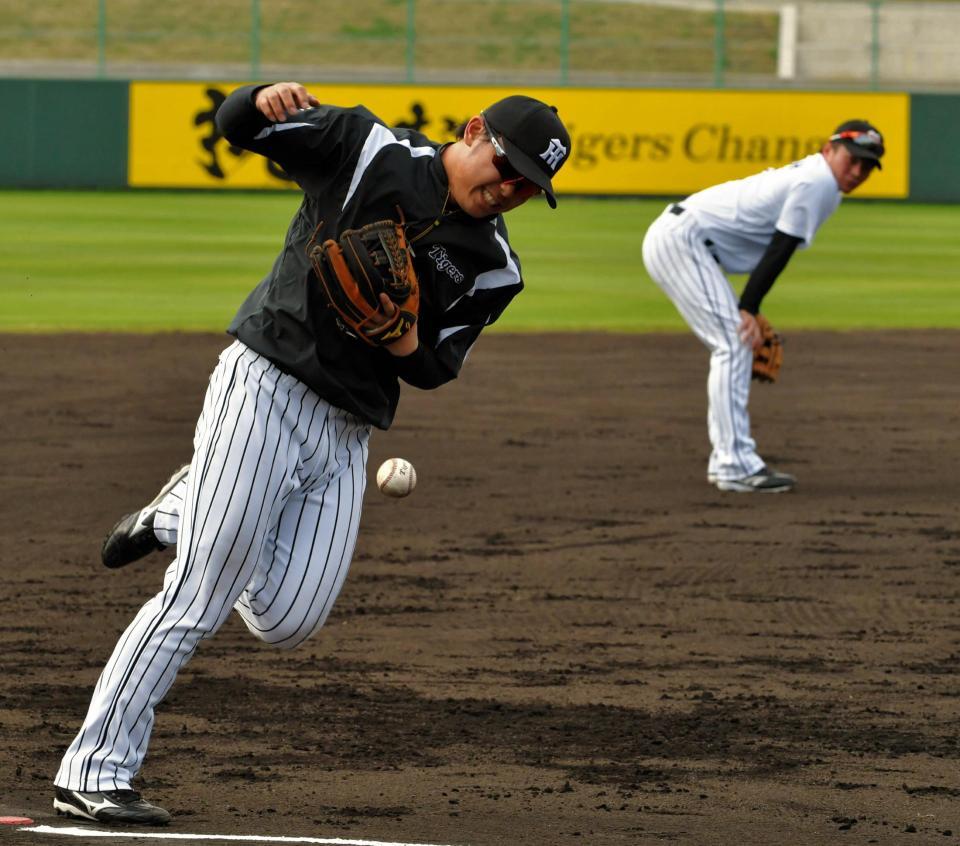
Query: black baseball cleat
point(121, 806)
point(132, 537)
point(764, 480)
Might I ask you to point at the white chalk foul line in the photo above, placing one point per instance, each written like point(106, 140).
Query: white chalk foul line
point(141, 835)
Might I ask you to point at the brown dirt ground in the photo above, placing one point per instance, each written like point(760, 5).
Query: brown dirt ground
point(564, 636)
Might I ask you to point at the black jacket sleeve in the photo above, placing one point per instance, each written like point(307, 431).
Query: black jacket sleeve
point(309, 146)
point(422, 369)
point(238, 119)
point(771, 263)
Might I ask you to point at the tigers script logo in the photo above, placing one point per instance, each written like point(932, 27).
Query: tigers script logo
point(443, 263)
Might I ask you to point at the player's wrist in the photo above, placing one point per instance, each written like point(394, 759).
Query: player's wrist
point(406, 344)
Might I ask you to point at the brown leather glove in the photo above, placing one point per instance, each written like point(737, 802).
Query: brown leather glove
point(357, 268)
point(768, 357)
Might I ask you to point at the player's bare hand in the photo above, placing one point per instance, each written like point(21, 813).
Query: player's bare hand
point(283, 99)
point(749, 331)
point(407, 343)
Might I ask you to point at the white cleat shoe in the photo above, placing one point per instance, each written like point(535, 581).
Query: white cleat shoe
point(764, 480)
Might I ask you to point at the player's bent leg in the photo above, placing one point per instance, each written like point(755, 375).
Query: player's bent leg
point(150, 529)
point(306, 560)
point(233, 501)
point(166, 520)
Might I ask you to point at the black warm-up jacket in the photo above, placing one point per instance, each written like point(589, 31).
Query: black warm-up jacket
point(354, 170)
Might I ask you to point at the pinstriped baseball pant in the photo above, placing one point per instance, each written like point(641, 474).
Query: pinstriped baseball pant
point(265, 522)
point(679, 261)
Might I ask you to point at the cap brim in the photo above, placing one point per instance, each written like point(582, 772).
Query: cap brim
point(526, 166)
point(860, 152)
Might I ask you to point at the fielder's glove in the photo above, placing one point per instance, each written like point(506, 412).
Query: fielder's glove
point(361, 265)
point(768, 357)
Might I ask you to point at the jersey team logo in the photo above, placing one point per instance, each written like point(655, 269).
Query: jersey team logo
point(444, 264)
point(554, 154)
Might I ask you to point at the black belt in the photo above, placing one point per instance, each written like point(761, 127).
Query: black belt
point(676, 208)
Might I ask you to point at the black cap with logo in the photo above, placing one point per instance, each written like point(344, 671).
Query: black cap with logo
point(861, 138)
point(533, 136)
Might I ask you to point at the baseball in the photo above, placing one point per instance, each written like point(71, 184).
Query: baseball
point(396, 477)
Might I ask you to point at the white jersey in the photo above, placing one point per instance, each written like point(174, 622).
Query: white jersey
point(740, 216)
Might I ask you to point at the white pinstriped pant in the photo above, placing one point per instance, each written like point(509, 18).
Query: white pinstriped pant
point(266, 522)
point(679, 261)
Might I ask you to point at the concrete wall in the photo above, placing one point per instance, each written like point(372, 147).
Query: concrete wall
point(917, 43)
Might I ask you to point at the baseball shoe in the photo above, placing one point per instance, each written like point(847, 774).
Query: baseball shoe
point(132, 537)
point(764, 480)
point(122, 806)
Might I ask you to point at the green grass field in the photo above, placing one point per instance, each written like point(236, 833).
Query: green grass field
point(171, 261)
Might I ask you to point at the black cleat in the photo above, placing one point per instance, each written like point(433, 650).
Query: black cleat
point(121, 806)
point(132, 537)
point(130, 540)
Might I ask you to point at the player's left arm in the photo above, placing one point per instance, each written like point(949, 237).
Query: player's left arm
point(442, 350)
point(774, 259)
point(430, 365)
point(446, 336)
point(420, 367)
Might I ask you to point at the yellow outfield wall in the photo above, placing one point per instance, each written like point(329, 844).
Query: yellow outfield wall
point(659, 142)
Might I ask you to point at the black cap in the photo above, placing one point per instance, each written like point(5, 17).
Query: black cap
point(534, 138)
point(861, 138)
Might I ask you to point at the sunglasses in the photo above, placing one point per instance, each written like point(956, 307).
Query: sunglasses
point(869, 138)
point(509, 175)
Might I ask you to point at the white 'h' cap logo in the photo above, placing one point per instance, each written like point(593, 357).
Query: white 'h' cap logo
point(554, 154)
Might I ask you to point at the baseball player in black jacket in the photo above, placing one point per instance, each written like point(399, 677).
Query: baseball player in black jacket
point(265, 516)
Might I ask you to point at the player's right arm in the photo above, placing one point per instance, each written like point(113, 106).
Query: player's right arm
point(283, 100)
point(310, 140)
point(249, 110)
point(238, 120)
point(749, 330)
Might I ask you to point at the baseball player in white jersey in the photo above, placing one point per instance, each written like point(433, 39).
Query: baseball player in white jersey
point(750, 225)
point(265, 516)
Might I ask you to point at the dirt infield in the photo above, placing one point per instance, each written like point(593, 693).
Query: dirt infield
point(564, 636)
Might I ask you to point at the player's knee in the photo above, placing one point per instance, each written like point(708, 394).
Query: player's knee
point(723, 351)
point(288, 634)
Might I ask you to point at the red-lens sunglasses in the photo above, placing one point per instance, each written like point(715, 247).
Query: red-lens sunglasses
point(509, 175)
point(861, 137)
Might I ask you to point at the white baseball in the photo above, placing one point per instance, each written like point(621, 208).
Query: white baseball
point(396, 477)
